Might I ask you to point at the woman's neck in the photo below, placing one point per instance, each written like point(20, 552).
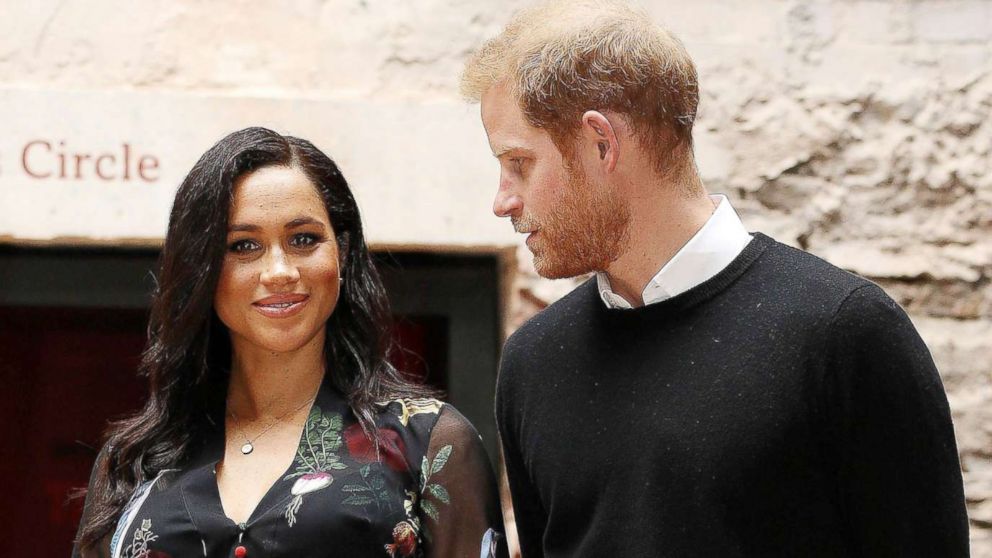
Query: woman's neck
point(266, 384)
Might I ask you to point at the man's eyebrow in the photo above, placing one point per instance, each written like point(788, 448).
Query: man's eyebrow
point(503, 150)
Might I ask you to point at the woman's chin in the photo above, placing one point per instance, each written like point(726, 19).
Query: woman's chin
point(281, 341)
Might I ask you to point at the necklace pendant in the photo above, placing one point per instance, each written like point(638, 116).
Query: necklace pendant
point(247, 448)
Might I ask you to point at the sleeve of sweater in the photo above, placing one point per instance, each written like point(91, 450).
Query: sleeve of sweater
point(889, 434)
point(528, 511)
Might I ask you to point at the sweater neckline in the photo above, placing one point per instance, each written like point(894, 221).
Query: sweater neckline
point(694, 296)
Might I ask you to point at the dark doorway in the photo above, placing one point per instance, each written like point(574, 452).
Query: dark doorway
point(72, 327)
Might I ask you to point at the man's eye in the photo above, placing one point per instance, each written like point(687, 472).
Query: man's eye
point(304, 240)
point(242, 246)
point(518, 164)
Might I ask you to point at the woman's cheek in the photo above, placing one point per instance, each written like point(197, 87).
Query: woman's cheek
point(322, 267)
point(323, 274)
point(234, 291)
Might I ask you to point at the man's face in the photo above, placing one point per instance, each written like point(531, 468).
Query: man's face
point(574, 226)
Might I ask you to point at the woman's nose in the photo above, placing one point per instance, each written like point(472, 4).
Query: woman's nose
point(279, 269)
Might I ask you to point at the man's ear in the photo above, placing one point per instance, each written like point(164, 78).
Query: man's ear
point(598, 134)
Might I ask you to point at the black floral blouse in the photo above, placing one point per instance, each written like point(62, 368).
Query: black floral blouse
point(430, 493)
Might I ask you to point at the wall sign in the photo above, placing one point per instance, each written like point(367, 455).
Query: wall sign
point(102, 167)
point(44, 159)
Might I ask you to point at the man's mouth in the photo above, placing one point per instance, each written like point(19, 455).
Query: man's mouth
point(524, 229)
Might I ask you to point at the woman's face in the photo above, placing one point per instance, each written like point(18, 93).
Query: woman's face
point(279, 280)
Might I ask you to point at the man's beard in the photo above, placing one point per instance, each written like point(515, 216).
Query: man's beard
point(587, 230)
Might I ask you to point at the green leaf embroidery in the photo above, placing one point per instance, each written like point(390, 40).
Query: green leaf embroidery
point(357, 500)
point(434, 489)
point(439, 492)
point(321, 439)
point(331, 437)
point(441, 459)
point(429, 508)
point(316, 454)
point(312, 437)
point(371, 490)
point(378, 482)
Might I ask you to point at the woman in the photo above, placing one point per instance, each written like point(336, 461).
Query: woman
point(275, 425)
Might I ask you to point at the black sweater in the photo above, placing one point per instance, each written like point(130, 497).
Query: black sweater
point(782, 408)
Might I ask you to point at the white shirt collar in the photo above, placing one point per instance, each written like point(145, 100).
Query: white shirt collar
point(712, 248)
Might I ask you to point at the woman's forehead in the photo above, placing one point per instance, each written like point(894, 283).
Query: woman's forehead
point(276, 194)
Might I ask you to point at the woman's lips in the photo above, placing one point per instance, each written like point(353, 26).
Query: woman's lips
point(281, 306)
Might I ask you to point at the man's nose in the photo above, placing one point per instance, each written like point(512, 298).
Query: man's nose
point(507, 204)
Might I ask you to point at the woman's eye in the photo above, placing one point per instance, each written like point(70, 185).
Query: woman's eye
point(242, 246)
point(304, 240)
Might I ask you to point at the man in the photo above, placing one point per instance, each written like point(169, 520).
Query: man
point(710, 393)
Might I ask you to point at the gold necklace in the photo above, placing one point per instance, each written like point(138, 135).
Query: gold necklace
point(249, 445)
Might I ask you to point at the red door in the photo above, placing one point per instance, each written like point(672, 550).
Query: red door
point(64, 373)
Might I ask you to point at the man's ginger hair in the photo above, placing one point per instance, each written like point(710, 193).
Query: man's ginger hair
point(562, 58)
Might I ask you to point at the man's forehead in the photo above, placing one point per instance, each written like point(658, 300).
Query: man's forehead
point(506, 127)
point(500, 106)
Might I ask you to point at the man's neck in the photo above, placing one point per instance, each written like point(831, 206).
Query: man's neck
point(659, 228)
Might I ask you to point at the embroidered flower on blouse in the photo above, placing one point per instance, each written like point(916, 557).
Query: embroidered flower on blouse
point(139, 543)
point(406, 534)
point(311, 482)
point(404, 540)
point(316, 455)
point(392, 450)
point(410, 407)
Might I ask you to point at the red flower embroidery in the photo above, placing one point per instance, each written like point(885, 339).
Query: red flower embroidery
point(391, 447)
point(404, 540)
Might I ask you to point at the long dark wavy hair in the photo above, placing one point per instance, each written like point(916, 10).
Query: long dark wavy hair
point(188, 350)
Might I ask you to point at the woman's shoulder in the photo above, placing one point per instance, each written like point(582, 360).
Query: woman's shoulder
point(429, 419)
point(405, 409)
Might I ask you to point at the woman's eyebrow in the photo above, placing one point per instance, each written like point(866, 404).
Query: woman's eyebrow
point(239, 228)
point(300, 221)
point(297, 222)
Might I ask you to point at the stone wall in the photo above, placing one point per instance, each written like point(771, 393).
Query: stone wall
point(859, 130)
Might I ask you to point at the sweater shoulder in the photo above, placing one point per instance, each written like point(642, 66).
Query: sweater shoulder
point(812, 278)
point(553, 322)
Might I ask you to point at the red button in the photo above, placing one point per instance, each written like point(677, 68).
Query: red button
point(240, 552)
